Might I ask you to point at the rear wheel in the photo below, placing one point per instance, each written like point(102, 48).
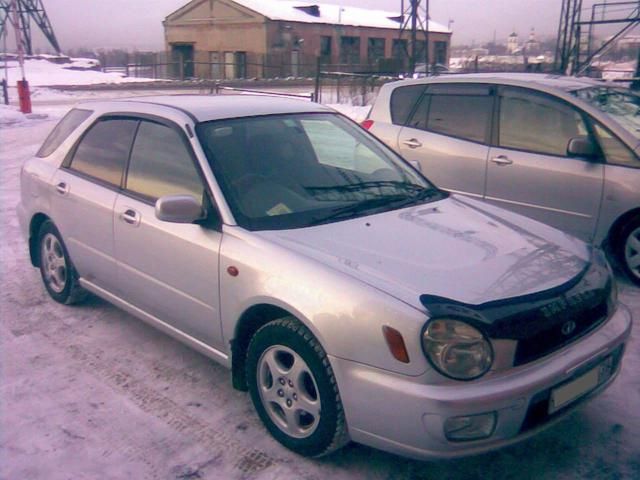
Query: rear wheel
point(294, 390)
point(629, 249)
point(58, 274)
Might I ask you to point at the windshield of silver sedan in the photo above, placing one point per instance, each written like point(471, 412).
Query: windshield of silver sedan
point(291, 171)
point(622, 104)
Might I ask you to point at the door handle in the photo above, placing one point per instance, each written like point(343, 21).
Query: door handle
point(130, 216)
point(62, 188)
point(412, 143)
point(502, 160)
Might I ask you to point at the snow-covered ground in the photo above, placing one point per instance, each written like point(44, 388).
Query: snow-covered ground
point(41, 71)
point(89, 392)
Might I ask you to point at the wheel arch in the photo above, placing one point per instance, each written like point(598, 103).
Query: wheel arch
point(613, 238)
point(251, 320)
point(34, 227)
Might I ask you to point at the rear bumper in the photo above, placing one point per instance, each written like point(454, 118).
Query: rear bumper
point(402, 415)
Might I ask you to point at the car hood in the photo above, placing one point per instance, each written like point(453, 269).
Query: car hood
point(455, 248)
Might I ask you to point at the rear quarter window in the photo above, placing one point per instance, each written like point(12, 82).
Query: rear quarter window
point(62, 130)
point(403, 100)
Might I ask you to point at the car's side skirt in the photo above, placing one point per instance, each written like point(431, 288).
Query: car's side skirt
point(179, 335)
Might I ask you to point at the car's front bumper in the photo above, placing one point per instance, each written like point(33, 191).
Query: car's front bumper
point(403, 415)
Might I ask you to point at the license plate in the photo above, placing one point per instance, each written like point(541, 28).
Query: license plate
point(582, 385)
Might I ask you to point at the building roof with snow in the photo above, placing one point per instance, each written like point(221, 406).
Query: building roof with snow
point(312, 12)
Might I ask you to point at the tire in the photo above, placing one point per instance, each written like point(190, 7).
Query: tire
point(57, 272)
point(294, 390)
point(629, 249)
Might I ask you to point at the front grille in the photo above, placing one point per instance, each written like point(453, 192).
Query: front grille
point(552, 338)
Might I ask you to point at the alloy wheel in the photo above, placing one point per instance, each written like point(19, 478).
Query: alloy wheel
point(54, 263)
point(632, 252)
point(288, 391)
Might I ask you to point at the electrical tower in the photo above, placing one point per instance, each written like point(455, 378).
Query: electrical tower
point(574, 49)
point(414, 21)
point(27, 11)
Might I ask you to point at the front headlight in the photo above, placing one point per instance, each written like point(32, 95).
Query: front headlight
point(456, 349)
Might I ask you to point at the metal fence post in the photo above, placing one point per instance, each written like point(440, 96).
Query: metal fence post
point(316, 91)
point(5, 92)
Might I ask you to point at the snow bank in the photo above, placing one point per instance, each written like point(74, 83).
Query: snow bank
point(40, 72)
point(10, 116)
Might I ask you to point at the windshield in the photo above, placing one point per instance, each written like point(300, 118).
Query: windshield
point(290, 171)
point(620, 103)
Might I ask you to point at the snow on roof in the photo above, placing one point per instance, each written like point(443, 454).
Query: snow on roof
point(332, 14)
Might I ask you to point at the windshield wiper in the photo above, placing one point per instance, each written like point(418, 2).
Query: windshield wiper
point(405, 187)
point(395, 201)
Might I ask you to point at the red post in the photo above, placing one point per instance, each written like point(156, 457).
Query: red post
point(24, 96)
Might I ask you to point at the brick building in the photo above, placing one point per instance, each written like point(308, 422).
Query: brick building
point(268, 38)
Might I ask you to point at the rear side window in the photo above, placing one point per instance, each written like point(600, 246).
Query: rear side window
point(62, 130)
point(462, 111)
point(161, 164)
point(103, 151)
point(403, 100)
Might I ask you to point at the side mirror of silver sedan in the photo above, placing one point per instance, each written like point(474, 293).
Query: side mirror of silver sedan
point(178, 209)
point(582, 147)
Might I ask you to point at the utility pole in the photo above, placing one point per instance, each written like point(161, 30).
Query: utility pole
point(29, 10)
point(574, 52)
point(414, 20)
point(24, 96)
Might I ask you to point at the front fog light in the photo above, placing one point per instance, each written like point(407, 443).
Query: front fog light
point(470, 427)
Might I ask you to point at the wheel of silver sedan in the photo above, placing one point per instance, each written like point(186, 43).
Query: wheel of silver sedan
point(288, 391)
point(293, 388)
point(632, 252)
point(54, 265)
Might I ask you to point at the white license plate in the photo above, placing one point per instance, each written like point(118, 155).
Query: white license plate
point(582, 385)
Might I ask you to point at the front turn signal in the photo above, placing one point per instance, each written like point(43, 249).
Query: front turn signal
point(396, 345)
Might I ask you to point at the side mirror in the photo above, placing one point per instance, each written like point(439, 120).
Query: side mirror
point(178, 209)
point(416, 164)
point(582, 147)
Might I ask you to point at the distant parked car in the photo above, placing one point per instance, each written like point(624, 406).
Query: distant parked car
point(562, 150)
point(421, 70)
point(351, 297)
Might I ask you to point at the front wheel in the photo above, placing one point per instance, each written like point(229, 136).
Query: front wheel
point(294, 390)
point(629, 250)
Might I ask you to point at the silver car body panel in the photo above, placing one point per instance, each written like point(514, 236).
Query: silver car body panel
point(563, 192)
point(169, 269)
point(436, 155)
point(582, 202)
point(462, 237)
point(345, 281)
point(406, 415)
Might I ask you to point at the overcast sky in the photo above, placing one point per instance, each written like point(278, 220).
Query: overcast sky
point(137, 23)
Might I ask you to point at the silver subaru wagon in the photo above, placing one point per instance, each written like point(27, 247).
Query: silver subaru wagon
point(351, 297)
point(561, 150)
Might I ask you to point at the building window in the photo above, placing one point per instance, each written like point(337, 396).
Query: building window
point(350, 50)
point(441, 53)
point(421, 56)
point(399, 53)
point(241, 64)
point(375, 50)
point(325, 46)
